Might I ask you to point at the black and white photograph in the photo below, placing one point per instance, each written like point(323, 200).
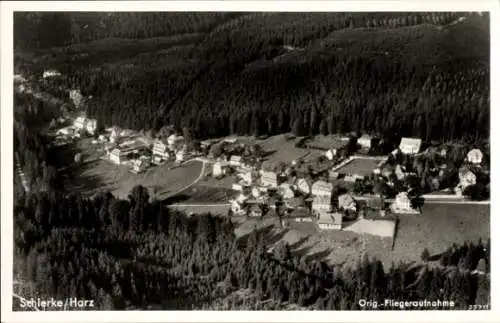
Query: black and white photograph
point(247, 160)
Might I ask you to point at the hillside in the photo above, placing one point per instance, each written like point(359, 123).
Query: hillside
point(409, 74)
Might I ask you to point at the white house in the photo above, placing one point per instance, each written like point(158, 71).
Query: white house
point(50, 73)
point(256, 193)
point(91, 126)
point(76, 97)
point(466, 178)
point(410, 146)
point(235, 161)
point(246, 177)
point(365, 141)
point(400, 172)
point(238, 207)
point(331, 153)
point(140, 164)
point(330, 221)
point(269, 179)
point(179, 156)
point(322, 188)
point(160, 152)
point(237, 187)
point(304, 185)
point(402, 204)
point(80, 123)
point(347, 202)
point(475, 156)
point(219, 169)
point(322, 204)
point(286, 191)
point(117, 156)
point(173, 139)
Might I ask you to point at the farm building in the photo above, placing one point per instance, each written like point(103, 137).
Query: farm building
point(50, 73)
point(410, 146)
point(322, 188)
point(322, 204)
point(475, 156)
point(331, 153)
point(466, 178)
point(269, 179)
point(117, 156)
point(304, 185)
point(91, 126)
point(365, 141)
point(235, 161)
point(330, 221)
point(347, 202)
point(286, 191)
point(402, 204)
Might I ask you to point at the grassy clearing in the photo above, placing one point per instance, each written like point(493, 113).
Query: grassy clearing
point(206, 194)
point(282, 150)
point(361, 167)
point(99, 175)
point(326, 142)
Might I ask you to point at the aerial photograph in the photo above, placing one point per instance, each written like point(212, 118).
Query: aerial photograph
point(230, 161)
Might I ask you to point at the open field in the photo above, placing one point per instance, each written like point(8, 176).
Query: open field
point(435, 229)
point(325, 142)
point(283, 150)
point(360, 166)
point(99, 175)
point(202, 194)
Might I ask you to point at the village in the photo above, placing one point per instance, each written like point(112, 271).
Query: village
point(343, 183)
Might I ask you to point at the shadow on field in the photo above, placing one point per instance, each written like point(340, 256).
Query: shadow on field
point(176, 199)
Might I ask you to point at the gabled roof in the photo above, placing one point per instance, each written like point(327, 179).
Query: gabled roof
point(415, 142)
point(235, 158)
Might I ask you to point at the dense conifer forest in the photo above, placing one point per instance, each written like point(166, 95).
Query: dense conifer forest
point(409, 74)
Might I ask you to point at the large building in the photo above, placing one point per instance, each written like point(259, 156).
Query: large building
point(219, 169)
point(269, 179)
point(117, 156)
point(322, 188)
point(235, 161)
point(321, 204)
point(365, 141)
point(410, 146)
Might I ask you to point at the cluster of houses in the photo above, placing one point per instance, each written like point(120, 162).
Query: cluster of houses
point(81, 126)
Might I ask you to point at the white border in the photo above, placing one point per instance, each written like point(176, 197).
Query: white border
point(6, 69)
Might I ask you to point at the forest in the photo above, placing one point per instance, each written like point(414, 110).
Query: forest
point(410, 74)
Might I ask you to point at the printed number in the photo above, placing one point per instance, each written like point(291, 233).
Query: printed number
point(477, 307)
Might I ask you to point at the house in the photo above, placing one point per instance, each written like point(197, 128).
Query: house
point(219, 169)
point(402, 204)
point(269, 179)
point(321, 204)
point(255, 210)
point(347, 202)
point(117, 156)
point(331, 153)
point(80, 123)
point(76, 97)
point(376, 203)
point(322, 188)
point(91, 126)
point(297, 215)
point(238, 207)
point(160, 151)
point(237, 187)
point(179, 155)
point(246, 177)
point(365, 141)
point(140, 164)
point(333, 175)
point(475, 156)
point(50, 73)
point(466, 178)
point(400, 172)
point(286, 191)
point(256, 193)
point(352, 178)
point(295, 203)
point(173, 140)
point(330, 221)
point(410, 146)
point(235, 161)
point(115, 135)
point(65, 131)
point(303, 185)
